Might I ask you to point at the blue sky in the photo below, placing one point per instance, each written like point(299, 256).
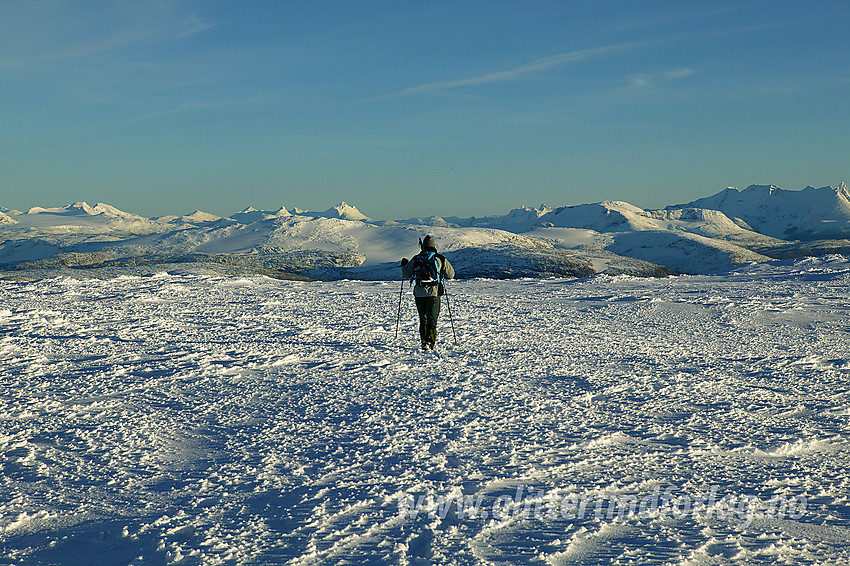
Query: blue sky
point(417, 108)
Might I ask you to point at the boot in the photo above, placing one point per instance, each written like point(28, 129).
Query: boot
point(432, 337)
point(423, 336)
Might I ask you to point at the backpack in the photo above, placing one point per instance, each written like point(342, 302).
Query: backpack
point(426, 271)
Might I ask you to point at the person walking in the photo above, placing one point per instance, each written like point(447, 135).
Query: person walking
point(427, 269)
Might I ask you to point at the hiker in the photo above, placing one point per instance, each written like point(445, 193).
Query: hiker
point(428, 269)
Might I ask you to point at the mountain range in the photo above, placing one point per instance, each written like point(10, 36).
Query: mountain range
point(709, 234)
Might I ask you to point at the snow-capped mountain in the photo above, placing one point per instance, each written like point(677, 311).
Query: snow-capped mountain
point(799, 215)
point(343, 211)
point(706, 235)
point(84, 209)
point(251, 214)
point(615, 216)
point(519, 219)
point(688, 240)
point(76, 222)
point(196, 217)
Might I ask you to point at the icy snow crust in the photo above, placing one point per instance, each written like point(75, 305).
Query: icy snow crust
point(209, 420)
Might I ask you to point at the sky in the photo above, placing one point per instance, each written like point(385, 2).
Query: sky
point(410, 109)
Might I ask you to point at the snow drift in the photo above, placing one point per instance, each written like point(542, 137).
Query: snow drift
point(186, 419)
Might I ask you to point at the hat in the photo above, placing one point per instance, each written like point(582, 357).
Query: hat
point(429, 242)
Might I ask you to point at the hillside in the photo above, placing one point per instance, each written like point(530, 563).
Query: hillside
point(810, 214)
point(706, 235)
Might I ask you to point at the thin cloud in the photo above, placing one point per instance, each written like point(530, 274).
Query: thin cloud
point(646, 80)
point(195, 25)
point(189, 107)
point(578, 56)
point(30, 39)
point(517, 73)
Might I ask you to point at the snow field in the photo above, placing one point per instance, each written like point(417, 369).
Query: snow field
point(208, 420)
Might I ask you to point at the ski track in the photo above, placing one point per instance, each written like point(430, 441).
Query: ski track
point(208, 420)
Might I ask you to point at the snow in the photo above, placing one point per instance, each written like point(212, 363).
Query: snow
point(708, 235)
point(84, 209)
point(74, 209)
point(196, 217)
point(807, 214)
point(77, 219)
point(568, 238)
point(342, 210)
point(682, 252)
point(187, 419)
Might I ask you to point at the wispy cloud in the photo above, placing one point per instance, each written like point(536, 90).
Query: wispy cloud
point(646, 80)
point(186, 107)
point(31, 36)
point(517, 73)
point(579, 56)
point(194, 25)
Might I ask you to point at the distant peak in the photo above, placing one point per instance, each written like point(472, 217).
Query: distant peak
point(77, 208)
point(769, 189)
point(109, 210)
point(344, 207)
point(201, 216)
point(81, 207)
point(346, 212)
point(542, 209)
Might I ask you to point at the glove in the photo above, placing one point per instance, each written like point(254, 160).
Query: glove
point(403, 261)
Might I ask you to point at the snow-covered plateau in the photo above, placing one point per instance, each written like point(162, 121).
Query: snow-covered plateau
point(199, 419)
point(711, 234)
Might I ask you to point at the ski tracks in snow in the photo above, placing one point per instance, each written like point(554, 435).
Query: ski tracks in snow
point(193, 420)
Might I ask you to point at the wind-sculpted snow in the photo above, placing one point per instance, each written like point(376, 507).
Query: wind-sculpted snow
point(606, 420)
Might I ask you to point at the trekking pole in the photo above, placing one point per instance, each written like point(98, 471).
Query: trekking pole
point(398, 317)
point(449, 307)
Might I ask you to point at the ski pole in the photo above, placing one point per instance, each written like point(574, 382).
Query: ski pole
point(398, 317)
point(449, 307)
